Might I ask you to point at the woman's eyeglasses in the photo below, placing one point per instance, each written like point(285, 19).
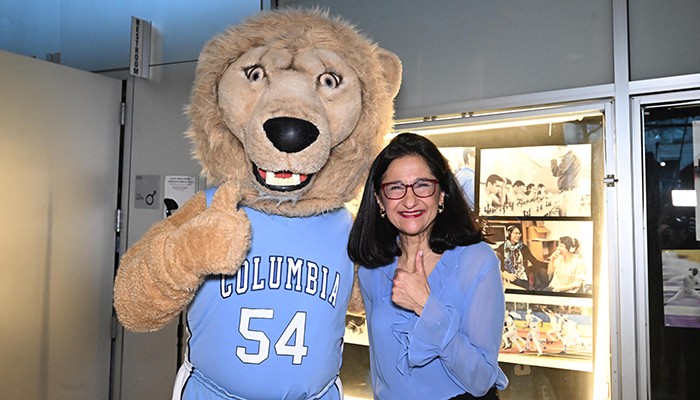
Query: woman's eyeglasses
point(421, 188)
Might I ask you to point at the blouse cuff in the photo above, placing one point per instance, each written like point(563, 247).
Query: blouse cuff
point(433, 331)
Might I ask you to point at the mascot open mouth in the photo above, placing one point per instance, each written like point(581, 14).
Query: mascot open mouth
point(281, 181)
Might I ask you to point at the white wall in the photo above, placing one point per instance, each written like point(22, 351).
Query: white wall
point(664, 38)
point(455, 51)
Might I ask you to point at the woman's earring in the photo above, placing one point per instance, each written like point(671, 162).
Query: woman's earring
point(441, 207)
point(382, 213)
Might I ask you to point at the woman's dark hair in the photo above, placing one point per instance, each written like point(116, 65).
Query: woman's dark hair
point(373, 239)
point(571, 244)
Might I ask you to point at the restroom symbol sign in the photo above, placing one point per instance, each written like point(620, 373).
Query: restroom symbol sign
point(147, 192)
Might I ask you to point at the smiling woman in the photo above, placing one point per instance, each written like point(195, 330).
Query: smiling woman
point(411, 212)
point(431, 285)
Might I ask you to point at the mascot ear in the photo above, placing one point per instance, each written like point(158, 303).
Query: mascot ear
point(391, 67)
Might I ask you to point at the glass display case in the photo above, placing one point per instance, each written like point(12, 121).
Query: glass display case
point(535, 178)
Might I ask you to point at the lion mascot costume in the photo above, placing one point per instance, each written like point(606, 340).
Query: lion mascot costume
point(287, 111)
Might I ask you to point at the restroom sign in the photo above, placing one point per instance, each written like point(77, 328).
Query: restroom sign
point(140, 55)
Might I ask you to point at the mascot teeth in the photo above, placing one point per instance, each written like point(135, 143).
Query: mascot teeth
point(282, 180)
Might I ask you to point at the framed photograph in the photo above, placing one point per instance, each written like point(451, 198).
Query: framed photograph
point(553, 257)
point(463, 165)
point(547, 331)
point(538, 181)
point(681, 278)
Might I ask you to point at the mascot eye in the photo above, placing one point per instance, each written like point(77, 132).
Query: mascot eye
point(329, 80)
point(254, 73)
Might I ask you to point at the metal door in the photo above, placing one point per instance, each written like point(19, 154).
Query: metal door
point(59, 157)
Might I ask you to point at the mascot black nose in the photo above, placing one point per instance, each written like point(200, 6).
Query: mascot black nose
point(290, 135)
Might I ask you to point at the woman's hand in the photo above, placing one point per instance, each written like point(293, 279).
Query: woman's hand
point(556, 254)
point(507, 276)
point(552, 259)
point(411, 289)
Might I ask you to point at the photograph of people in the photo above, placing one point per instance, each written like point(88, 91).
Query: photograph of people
point(530, 192)
point(566, 167)
point(681, 282)
point(462, 162)
point(566, 267)
point(529, 251)
point(571, 335)
point(510, 334)
point(520, 191)
point(557, 181)
point(518, 266)
point(533, 335)
point(557, 331)
point(465, 175)
point(431, 286)
point(556, 326)
point(493, 196)
point(687, 288)
point(509, 195)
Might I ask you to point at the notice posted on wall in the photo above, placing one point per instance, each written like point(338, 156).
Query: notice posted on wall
point(177, 190)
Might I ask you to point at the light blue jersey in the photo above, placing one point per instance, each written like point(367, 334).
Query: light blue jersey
point(275, 329)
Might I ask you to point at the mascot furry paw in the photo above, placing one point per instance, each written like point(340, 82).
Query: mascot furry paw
point(287, 111)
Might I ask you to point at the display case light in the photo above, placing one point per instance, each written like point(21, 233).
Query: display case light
point(470, 124)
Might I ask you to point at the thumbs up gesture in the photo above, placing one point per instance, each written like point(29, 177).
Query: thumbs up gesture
point(410, 289)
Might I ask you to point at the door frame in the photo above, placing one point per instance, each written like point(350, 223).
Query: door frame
point(641, 283)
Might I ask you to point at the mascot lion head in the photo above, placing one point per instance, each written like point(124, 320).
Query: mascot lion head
point(293, 106)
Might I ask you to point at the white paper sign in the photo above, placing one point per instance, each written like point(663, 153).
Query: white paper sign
point(178, 189)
